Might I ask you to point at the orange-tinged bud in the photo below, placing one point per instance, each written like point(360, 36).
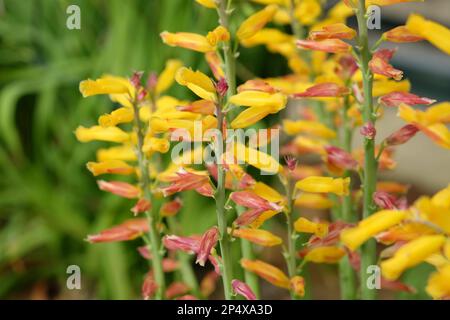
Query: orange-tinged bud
point(369, 227)
point(256, 85)
point(411, 254)
point(110, 134)
point(311, 127)
point(267, 271)
point(333, 31)
point(219, 34)
point(258, 236)
point(327, 45)
point(251, 200)
point(176, 289)
point(328, 254)
point(128, 230)
point(119, 188)
point(435, 33)
point(189, 180)
point(152, 144)
point(339, 186)
point(197, 82)
point(200, 106)
point(394, 99)
point(215, 65)
point(306, 226)
point(313, 201)
point(297, 285)
point(187, 40)
point(171, 208)
point(380, 65)
point(210, 4)
point(149, 286)
point(402, 135)
point(142, 205)
point(256, 22)
point(401, 34)
point(326, 89)
point(110, 167)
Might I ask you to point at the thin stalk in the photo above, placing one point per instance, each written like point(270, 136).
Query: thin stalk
point(346, 274)
point(291, 251)
point(152, 215)
point(247, 252)
point(368, 256)
point(186, 270)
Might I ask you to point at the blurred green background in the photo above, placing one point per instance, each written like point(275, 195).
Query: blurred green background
point(49, 202)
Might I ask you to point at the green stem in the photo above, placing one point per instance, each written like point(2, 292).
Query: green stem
point(368, 256)
point(186, 270)
point(346, 274)
point(247, 252)
point(152, 216)
point(291, 253)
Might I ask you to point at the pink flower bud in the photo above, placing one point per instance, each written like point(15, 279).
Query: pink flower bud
point(250, 199)
point(368, 130)
point(171, 208)
point(149, 286)
point(208, 241)
point(402, 203)
point(380, 64)
point(222, 87)
point(152, 81)
point(170, 265)
point(291, 162)
point(119, 188)
point(327, 89)
point(186, 244)
point(243, 289)
point(347, 66)
point(136, 79)
point(340, 158)
point(248, 217)
point(144, 251)
point(384, 200)
point(402, 135)
point(128, 230)
point(394, 99)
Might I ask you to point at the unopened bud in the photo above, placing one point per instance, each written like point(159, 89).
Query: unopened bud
point(368, 130)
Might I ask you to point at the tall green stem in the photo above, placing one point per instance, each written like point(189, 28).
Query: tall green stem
point(290, 255)
point(368, 256)
point(152, 216)
point(346, 274)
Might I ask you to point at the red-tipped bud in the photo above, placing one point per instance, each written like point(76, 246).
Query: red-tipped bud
point(328, 45)
point(186, 244)
point(368, 130)
point(145, 253)
point(251, 200)
point(176, 289)
point(248, 217)
point(142, 205)
point(384, 200)
point(200, 106)
point(380, 64)
point(171, 208)
point(129, 230)
point(347, 66)
point(394, 99)
point(222, 87)
point(256, 85)
point(185, 180)
point(136, 79)
point(208, 241)
point(327, 89)
point(340, 158)
point(170, 265)
point(243, 289)
point(149, 286)
point(402, 135)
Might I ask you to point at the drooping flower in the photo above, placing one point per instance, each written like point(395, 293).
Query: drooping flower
point(327, 89)
point(411, 254)
point(110, 134)
point(369, 227)
point(327, 45)
point(435, 33)
point(394, 99)
point(267, 271)
point(207, 242)
point(128, 230)
point(401, 136)
point(401, 34)
point(119, 188)
point(110, 167)
point(256, 22)
point(326, 254)
point(313, 201)
point(198, 82)
point(307, 226)
point(380, 64)
point(187, 40)
point(333, 31)
point(258, 236)
point(167, 76)
point(106, 85)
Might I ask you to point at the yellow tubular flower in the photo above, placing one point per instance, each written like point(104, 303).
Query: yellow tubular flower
point(253, 157)
point(328, 254)
point(438, 215)
point(219, 34)
point(111, 134)
point(151, 144)
point(306, 226)
point(371, 226)
point(266, 215)
point(260, 237)
point(187, 40)
point(382, 87)
point(267, 2)
point(442, 198)
point(197, 82)
point(435, 33)
point(167, 76)
point(207, 3)
point(110, 166)
point(439, 283)
point(267, 36)
point(314, 128)
point(118, 116)
point(439, 112)
point(298, 285)
point(249, 117)
point(340, 12)
point(259, 99)
point(266, 271)
point(105, 85)
point(307, 11)
point(337, 186)
point(268, 193)
point(410, 255)
point(313, 201)
point(256, 22)
point(125, 153)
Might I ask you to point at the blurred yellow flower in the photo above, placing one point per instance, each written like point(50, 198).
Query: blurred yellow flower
point(339, 186)
point(256, 22)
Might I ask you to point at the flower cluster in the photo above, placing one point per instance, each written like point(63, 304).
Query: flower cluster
point(340, 89)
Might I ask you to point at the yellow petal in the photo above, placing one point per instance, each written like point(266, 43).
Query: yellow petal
point(197, 82)
point(258, 236)
point(256, 22)
point(111, 134)
point(306, 126)
point(306, 226)
point(328, 254)
point(382, 87)
point(187, 40)
point(110, 166)
point(118, 116)
point(102, 86)
point(435, 33)
point(337, 186)
point(125, 153)
point(167, 76)
point(439, 283)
